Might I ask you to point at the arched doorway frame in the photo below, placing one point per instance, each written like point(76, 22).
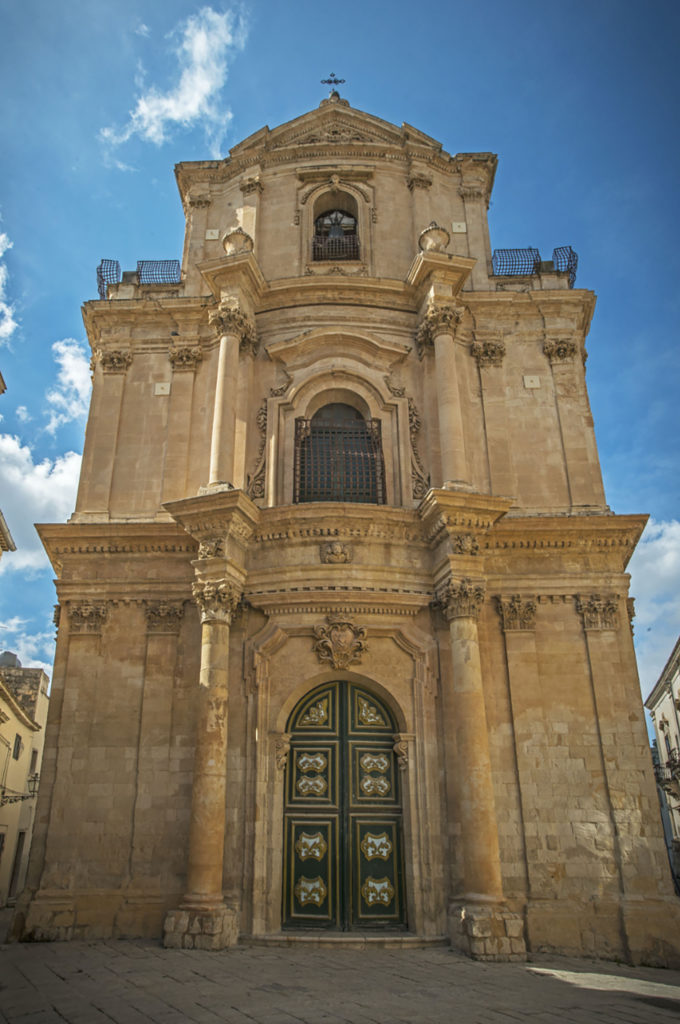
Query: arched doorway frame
point(269, 712)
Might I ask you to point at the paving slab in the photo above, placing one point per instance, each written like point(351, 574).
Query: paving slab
point(125, 982)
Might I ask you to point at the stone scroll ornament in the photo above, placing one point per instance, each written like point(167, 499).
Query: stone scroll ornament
point(217, 599)
point(517, 612)
point(229, 318)
point(87, 618)
point(340, 643)
point(598, 611)
point(164, 616)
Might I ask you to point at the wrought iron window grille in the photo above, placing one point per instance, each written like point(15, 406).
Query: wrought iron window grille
point(339, 462)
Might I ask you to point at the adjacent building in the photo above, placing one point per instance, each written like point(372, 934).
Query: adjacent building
point(23, 713)
point(664, 707)
point(344, 646)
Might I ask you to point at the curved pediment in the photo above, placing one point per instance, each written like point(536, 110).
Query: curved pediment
point(308, 348)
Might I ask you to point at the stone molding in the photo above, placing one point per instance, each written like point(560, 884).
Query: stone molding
point(115, 360)
point(217, 600)
point(560, 350)
point(439, 318)
point(517, 612)
point(400, 748)
point(461, 598)
point(341, 642)
point(475, 192)
point(598, 611)
point(229, 318)
point(185, 357)
point(87, 618)
point(489, 351)
point(420, 480)
point(418, 181)
point(164, 616)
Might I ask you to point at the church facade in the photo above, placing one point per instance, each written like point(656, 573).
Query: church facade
point(343, 645)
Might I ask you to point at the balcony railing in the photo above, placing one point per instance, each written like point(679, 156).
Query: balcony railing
point(325, 248)
point(524, 262)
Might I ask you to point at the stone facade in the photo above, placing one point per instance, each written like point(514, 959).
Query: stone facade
point(480, 606)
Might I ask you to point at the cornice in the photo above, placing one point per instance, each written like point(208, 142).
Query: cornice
point(596, 533)
point(337, 521)
point(348, 599)
point(445, 513)
point(9, 700)
point(304, 349)
point(63, 540)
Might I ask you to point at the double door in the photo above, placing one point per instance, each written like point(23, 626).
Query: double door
point(342, 817)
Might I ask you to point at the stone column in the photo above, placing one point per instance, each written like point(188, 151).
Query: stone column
point(185, 357)
point(94, 489)
point(203, 921)
point(437, 330)
point(235, 329)
point(488, 349)
point(479, 923)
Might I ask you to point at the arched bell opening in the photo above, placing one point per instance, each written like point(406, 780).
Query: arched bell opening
point(342, 822)
point(336, 235)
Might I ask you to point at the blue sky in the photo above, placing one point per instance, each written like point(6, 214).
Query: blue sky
point(579, 100)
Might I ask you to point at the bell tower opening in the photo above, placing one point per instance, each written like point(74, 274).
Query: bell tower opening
point(336, 235)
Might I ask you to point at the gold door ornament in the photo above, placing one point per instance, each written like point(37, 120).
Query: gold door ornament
point(307, 762)
point(375, 762)
point(311, 846)
point(310, 890)
point(311, 784)
point(317, 714)
point(377, 891)
point(370, 786)
point(368, 713)
point(376, 846)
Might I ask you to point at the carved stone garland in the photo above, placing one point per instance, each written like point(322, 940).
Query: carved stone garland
point(255, 488)
point(420, 480)
point(229, 318)
point(341, 642)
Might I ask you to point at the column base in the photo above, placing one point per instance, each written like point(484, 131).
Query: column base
point(487, 931)
point(200, 928)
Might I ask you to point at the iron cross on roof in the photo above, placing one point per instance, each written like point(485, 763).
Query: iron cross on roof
point(332, 81)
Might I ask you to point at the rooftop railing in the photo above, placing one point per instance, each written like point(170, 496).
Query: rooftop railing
point(524, 262)
point(147, 272)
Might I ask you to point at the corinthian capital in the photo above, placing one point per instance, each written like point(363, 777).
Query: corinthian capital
point(461, 598)
point(517, 612)
point(229, 318)
point(217, 599)
point(597, 611)
point(438, 319)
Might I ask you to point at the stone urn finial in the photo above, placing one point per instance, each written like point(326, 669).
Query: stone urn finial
point(434, 238)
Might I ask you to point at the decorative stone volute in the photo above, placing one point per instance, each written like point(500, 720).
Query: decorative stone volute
point(560, 350)
point(114, 360)
point(217, 600)
point(87, 617)
point(460, 598)
point(164, 616)
point(489, 351)
point(341, 642)
point(433, 238)
point(185, 357)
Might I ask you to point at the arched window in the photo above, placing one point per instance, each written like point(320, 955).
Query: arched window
point(338, 457)
point(335, 227)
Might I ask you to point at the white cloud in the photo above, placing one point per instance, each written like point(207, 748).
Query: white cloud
point(8, 324)
point(33, 649)
point(655, 585)
point(33, 493)
point(206, 39)
point(142, 29)
point(23, 414)
point(70, 397)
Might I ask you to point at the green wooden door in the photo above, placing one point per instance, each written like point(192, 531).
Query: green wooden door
point(342, 817)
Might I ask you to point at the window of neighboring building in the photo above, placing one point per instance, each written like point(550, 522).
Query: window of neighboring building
point(18, 747)
point(338, 457)
point(34, 762)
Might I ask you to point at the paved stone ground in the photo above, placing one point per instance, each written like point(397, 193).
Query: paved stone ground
point(133, 982)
